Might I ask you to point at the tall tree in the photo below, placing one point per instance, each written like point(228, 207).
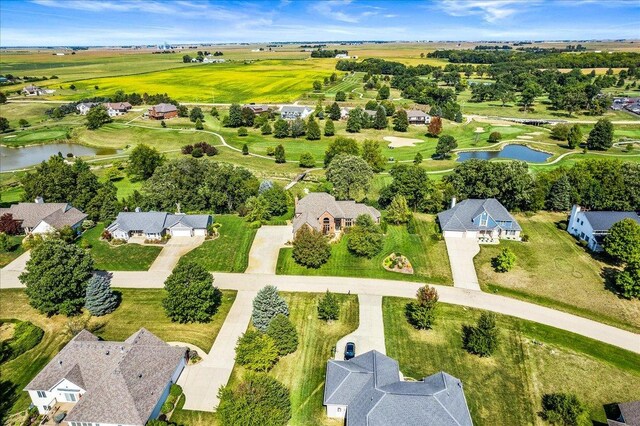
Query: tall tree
point(280, 155)
point(266, 305)
point(398, 211)
point(421, 312)
point(413, 183)
point(328, 307)
point(560, 195)
point(351, 177)
point(284, 334)
point(329, 128)
point(400, 121)
point(104, 206)
point(100, 299)
point(574, 137)
point(601, 136)
point(380, 122)
point(365, 238)
point(623, 241)
point(248, 117)
point(435, 126)
point(354, 122)
point(196, 114)
point(235, 116)
point(334, 111)
point(446, 144)
point(384, 92)
point(281, 129)
point(310, 247)
point(372, 154)
point(143, 162)
point(313, 130)
point(97, 117)
point(340, 145)
point(298, 128)
point(191, 296)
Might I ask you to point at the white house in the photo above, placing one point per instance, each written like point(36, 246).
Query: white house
point(42, 218)
point(291, 112)
point(483, 219)
point(107, 383)
point(84, 107)
point(115, 109)
point(593, 226)
point(154, 225)
point(32, 90)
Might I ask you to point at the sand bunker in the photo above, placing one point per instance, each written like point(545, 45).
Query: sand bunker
point(525, 137)
point(396, 142)
point(479, 129)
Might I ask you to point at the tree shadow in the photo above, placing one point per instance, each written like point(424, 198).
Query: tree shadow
point(609, 274)
point(8, 397)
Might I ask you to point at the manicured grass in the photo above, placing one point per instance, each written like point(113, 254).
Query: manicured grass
point(532, 359)
point(139, 308)
point(230, 251)
point(553, 270)
point(426, 252)
point(192, 418)
point(7, 257)
point(126, 257)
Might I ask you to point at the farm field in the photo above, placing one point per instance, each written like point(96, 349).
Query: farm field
point(531, 360)
point(552, 269)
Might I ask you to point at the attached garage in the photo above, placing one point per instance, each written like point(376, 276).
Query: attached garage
point(181, 232)
point(453, 234)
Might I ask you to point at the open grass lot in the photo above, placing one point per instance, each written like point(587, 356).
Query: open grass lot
point(303, 371)
point(553, 270)
point(139, 308)
point(425, 251)
point(532, 360)
point(16, 250)
point(126, 257)
point(230, 251)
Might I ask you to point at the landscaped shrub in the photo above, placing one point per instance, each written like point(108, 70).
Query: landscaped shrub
point(175, 389)
point(191, 294)
point(365, 239)
point(328, 307)
point(106, 235)
point(483, 338)
point(242, 131)
point(310, 248)
point(266, 305)
point(256, 351)
point(5, 242)
point(495, 137)
point(100, 298)
point(504, 261)
point(88, 224)
point(412, 226)
point(284, 334)
point(524, 238)
point(421, 313)
point(564, 409)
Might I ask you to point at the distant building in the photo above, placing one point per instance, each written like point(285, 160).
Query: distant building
point(32, 90)
point(291, 112)
point(163, 111)
point(342, 56)
point(257, 109)
point(593, 226)
point(211, 60)
point(84, 107)
point(483, 219)
point(42, 218)
point(322, 212)
point(416, 116)
point(117, 108)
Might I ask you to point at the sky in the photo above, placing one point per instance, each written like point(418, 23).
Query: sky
point(126, 22)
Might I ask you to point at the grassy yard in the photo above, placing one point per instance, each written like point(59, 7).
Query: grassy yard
point(16, 250)
point(532, 360)
point(127, 257)
point(425, 251)
point(553, 270)
point(230, 251)
point(139, 308)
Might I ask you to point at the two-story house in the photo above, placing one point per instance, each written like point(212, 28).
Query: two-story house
point(483, 219)
point(593, 226)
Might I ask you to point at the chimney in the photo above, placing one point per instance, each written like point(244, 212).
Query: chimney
point(39, 200)
point(453, 202)
point(178, 208)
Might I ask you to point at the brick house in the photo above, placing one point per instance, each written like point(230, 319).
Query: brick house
point(163, 111)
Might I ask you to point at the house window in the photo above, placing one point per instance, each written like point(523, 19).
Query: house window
point(348, 222)
point(70, 397)
point(326, 225)
point(42, 394)
point(483, 220)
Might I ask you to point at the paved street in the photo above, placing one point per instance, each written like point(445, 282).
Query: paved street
point(370, 332)
point(263, 256)
point(461, 253)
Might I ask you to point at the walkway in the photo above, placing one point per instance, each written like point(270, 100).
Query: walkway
point(19, 263)
point(200, 382)
point(461, 252)
point(263, 256)
point(370, 332)
point(173, 250)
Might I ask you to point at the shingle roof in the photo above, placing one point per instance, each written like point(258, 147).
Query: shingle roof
point(414, 113)
point(460, 217)
point(55, 214)
point(604, 220)
point(119, 105)
point(294, 109)
point(312, 206)
point(162, 108)
point(123, 380)
point(156, 222)
point(630, 412)
point(371, 387)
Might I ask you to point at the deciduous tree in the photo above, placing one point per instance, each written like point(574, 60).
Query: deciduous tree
point(398, 211)
point(310, 248)
point(623, 241)
point(351, 177)
point(143, 162)
point(256, 351)
point(191, 296)
point(601, 136)
point(372, 154)
point(435, 127)
point(340, 145)
point(421, 312)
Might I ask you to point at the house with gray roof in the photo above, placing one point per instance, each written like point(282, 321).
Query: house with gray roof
point(42, 218)
point(163, 111)
point(108, 383)
point(482, 219)
point(84, 107)
point(369, 390)
point(291, 112)
point(416, 116)
point(322, 212)
point(593, 226)
point(627, 414)
point(155, 225)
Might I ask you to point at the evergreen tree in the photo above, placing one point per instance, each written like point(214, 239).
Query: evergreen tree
point(298, 128)
point(380, 121)
point(372, 154)
point(313, 130)
point(306, 160)
point(281, 128)
point(421, 312)
point(628, 280)
point(341, 96)
point(245, 149)
point(234, 118)
point(483, 338)
point(384, 92)
point(266, 305)
point(574, 138)
point(329, 128)
point(354, 122)
point(334, 111)
point(560, 195)
point(601, 136)
point(417, 159)
point(328, 307)
point(100, 299)
point(266, 128)
point(446, 144)
point(280, 155)
point(284, 334)
point(401, 121)
point(398, 211)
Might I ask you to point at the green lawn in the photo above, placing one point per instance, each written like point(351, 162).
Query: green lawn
point(553, 270)
point(532, 360)
point(230, 251)
point(139, 308)
point(426, 252)
point(127, 257)
point(7, 257)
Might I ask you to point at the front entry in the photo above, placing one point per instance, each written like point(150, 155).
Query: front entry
point(326, 225)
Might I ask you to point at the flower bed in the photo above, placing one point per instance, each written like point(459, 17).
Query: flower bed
point(396, 262)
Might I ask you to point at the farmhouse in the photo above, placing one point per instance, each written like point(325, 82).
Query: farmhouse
point(484, 219)
point(369, 390)
point(154, 225)
point(593, 226)
point(628, 414)
point(257, 109)
point(322, 212)
point(108, 383)
point(32, 90)
point(416, 116)
point(84, 107)
point(292, 112)
point(117, 108)
point(42, 218)
point(211, 60)
point(163, 111)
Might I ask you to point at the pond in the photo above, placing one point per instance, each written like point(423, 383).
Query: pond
point(514, 152)
point(20, 158)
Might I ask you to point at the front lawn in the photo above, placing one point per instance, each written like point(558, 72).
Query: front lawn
point(126, 257)
point(16, 250)
point(139, 308)
point(230, 251)
point(552, 269)
point(532, 359)
point(426, 252)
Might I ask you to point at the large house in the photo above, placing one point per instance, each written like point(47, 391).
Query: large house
point(84, 107)
point(108, 383)
point(163, 111)
point(257, 109)
point(42, 218)
point(416, 116)
point(483, 219)
point(628, 414)
point(32, 90)
point(291, 112)
point(369, 390)
point(322, 212)
point(593, 226)
point(154, 225)
point(117, 108)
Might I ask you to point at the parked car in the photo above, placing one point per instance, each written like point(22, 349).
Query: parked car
point(349, 350)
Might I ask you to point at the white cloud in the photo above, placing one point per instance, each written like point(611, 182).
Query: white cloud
point(490, 10)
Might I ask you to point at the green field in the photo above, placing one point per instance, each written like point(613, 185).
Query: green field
point(426, 252)
point(16, 250)
point(532, 359)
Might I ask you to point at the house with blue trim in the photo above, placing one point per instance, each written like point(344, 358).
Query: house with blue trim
point(483, 219)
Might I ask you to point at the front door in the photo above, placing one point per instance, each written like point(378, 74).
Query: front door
point(326, 225)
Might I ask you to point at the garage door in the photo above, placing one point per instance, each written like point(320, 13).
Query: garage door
point(181, 232)
point(454, 234)
point(201, 232)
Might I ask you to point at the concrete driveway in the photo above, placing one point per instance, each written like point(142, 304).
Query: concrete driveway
point(461, 253)
point(263, 256)
point(19, 263)
point(172, 251)
point(370, 332)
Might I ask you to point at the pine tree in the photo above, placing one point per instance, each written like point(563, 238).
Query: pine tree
point(266, 305)
point(380, 121)
point(313, 130)
point(100, 299)
point(284, 334)
point(574, 138)
point(398, 211)
point(329, 128)
point(417, 159)
point(354, 122)
point(328, 307)
point(400, 121)
point(334, 111)
point(306, 160)
point(266, 128)
point(199, 125)
point(560, 195)
point(245, 149)
point(280, 155)
point(298, 127)
point(483, 338)
point(281, 128)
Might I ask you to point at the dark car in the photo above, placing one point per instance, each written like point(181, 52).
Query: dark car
point(350, 350)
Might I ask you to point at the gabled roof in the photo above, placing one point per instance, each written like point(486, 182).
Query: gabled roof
point(371, 387)
point(156, 222)
point(55, 214)
point(312, 206)
point(460, 217)
point(604, 220)
point(163, 108)
point(123, 381)
point(119, 106)
point(292, 109)
point(415, 113)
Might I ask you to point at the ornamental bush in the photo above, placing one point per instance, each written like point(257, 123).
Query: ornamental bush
point(266, 305)
point(256, 351)
point(421, 312)
point(366, 238)
point(310, 248)
point(564, 409)
point(504, 261)
point(284, 334)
